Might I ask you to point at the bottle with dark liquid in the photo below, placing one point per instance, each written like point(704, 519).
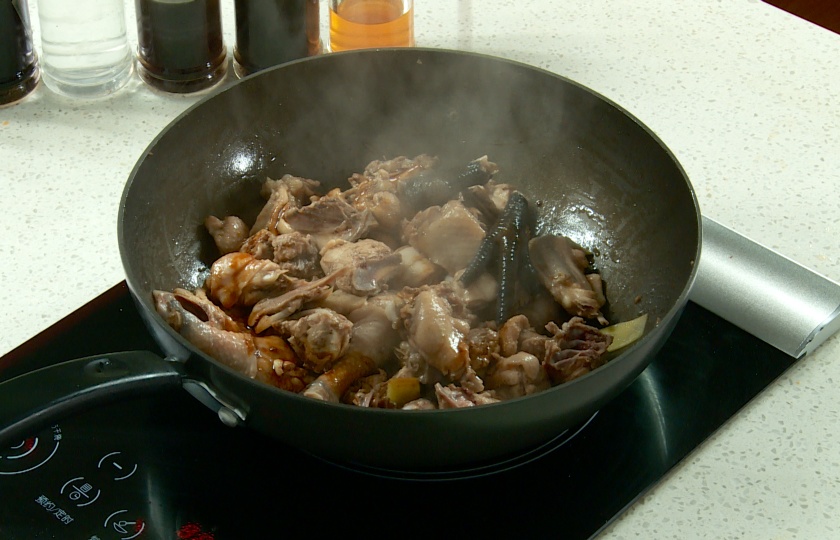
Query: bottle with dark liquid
point(180, 44)
point(271, 32)
point(19, 72)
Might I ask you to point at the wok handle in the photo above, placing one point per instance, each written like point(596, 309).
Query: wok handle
point(30, 402)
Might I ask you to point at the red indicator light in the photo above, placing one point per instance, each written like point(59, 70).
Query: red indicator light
point(29, 443)
point(193, 531)
point(138, 525)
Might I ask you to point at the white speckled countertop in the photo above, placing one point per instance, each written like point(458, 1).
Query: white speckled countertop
point(747, 97)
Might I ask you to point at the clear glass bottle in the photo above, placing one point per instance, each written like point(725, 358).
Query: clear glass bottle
point(181, 48)
point(271, 32)
point(84, 46)
point(19, 71)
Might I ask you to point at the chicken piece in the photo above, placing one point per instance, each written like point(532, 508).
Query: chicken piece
point(507, 242)
point(483, 345)
point(479, 295)
point(330, 218)
point(240, 279)
point(319, 337)
point(397, 168)
point(560, 269)
point(362, 392)
point(455, 397)
point(254, 356)
point(421, 404)
point(372, 342)
point(272, 311)
point(489, 199)
point(375, 333)
point(432, 187)
point(447, 235)
point(436, 334)
point(259, 245)
point(294, 252)
point(202, 307)
point(283, 195)
point(340, 302)
point(415, 269)
point(509, 334)
point(575, 349)
point(532, 342)
point(517, 375)
point(334, 382)
point(368, 265)
point(377, 195)
point(228, 233)
point(297, 254)
point(375, 189)
point(288, 375)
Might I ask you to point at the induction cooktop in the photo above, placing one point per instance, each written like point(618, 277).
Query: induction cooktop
point(163, 466)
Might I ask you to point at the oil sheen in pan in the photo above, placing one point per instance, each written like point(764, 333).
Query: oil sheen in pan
point(475, 471)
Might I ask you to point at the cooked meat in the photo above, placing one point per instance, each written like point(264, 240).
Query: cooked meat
point(228, 233)
point(208, 312)
point(319, 337)
point(332, 384)
point(259, 245)
point(272, 311)
point(251, 355)
point(330, 218)
point(375, 333)
point(560, 269)
point(483, 345)
point(297, 254)
point(490, 199)
point(283, 195)
point(385, 294)
point(419, 405)
point(294, 252)
point(517, 375)
point(479, 296)
point(447, 235)
point(362, 392)
point(368, 265)
point(435, 186)
point(436, 334)
point(509, 334)
point(454, 397)
point(240, 279)
point(575, 350)
point(416, 270)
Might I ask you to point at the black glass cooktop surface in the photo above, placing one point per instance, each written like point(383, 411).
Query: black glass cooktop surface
point(163, 466)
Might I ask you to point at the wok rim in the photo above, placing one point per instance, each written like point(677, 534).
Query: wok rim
point(650, 339)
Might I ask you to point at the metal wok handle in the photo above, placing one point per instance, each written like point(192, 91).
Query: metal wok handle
point(31, 401)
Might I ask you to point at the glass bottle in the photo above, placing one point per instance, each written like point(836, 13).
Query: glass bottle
point(181, 48)
point(84, 46)
point(271, 32)
point(19, 72)
point(362, 24)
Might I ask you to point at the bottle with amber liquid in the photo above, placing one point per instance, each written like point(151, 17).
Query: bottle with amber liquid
point(19, 71)
point(272, 32)
point(361, 24)
point(180, 44)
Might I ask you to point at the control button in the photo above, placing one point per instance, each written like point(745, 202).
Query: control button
point(30, 453)
point(80, 492)
point(119, 468)
point(126, 529)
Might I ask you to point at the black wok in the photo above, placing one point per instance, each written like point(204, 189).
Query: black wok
point(598, 175)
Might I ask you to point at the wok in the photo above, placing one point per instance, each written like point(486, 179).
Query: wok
point(597, 174)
